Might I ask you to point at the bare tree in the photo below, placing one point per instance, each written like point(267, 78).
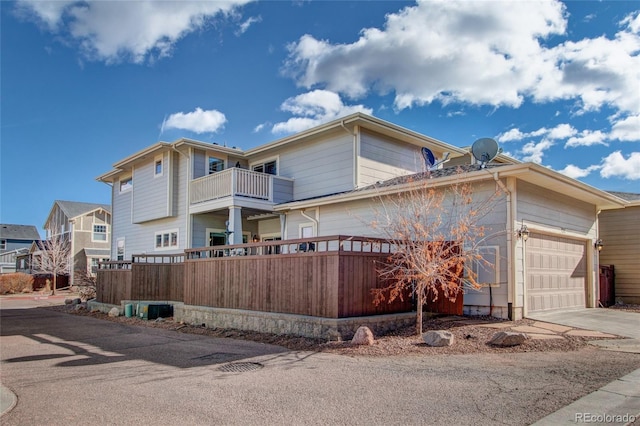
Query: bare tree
point(55, 258)
point(436, 235)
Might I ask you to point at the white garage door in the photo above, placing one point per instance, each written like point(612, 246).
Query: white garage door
point(556, 270)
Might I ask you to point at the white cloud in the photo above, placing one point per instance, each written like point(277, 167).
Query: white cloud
point(576, 172)
point(484, 53)
point(314, 108)
point(534, 152)
point(626, 129)
point(615, 165)
point(116, 31)
point(587, 138)
point(198, 121)
point(244, 27)
point(561, 131)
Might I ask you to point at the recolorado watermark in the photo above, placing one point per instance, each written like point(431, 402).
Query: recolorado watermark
point(605, 418)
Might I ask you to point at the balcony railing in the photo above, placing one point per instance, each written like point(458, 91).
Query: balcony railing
point(232, 182)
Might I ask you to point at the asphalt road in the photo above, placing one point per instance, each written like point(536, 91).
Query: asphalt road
point(68, 369)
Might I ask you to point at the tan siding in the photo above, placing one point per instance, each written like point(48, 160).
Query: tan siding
point(382, 159)
point(620, 233)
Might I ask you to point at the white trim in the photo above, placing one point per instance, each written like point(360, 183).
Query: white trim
point(124, 248)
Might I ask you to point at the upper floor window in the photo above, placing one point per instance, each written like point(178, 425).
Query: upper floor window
point(157, 170)
point(126, 183)
point(3, 244)
point(269, 167)
point(99, 233)
point(215, 165)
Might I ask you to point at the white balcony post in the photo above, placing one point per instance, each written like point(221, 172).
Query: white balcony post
point(235, 225)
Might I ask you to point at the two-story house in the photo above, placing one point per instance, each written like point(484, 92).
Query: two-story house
point(87, 226)
point(14, 241)
point(324, 181)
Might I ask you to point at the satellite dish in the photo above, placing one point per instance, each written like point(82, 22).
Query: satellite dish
point(429, 158)
point(485, 150)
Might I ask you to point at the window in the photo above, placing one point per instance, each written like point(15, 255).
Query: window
point(99, 233)
point(166, 240)
point(120, 249)
point(215, 165)
point(269, 167)
point(126, 183)
point(3, 244)
point(487, 269)
point(157, 171)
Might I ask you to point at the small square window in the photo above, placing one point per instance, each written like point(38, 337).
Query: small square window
point(126, 183)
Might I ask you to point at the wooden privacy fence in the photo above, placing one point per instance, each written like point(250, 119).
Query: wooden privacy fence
point(329, 277)
point(146, 277)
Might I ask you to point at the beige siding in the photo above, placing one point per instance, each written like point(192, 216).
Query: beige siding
point(382, 159)
point(620, 233)
point(319, 167)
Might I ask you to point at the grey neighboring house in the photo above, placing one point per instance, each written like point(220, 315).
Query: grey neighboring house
point(620, 235)
point(88, 228)
point(14, 241)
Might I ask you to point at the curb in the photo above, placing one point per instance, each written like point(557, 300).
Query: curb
point(615, 403)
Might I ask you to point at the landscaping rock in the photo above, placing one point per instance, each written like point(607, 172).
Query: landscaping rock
point(76, 301)
point(80, 307)
point(68, 301)
point(363, 336)
point(114, 312)
point(438, 338)
point(508, 338)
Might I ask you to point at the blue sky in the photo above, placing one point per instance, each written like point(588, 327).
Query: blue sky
point(85, 84)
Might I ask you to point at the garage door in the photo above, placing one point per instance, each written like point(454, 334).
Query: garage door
point(556, 270)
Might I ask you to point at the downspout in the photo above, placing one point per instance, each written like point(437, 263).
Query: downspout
point(510, 294)
point(187, 226)
point(314, 220)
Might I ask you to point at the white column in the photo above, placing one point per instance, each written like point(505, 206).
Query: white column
point(235, 225)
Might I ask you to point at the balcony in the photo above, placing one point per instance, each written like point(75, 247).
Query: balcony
point(240, 183)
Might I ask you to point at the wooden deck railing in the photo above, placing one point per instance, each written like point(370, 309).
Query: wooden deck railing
point(233, 181)
point(308, 246)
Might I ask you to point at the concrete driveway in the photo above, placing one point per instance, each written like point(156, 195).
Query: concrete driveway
point(610, 321)
point(68, 369)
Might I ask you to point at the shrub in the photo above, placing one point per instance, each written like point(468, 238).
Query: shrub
point(16, 283)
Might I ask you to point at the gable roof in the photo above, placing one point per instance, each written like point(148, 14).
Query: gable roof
point(73, 209)
point(19, 232)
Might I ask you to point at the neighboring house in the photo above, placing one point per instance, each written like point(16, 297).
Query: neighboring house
point(88, 228)
point(323, 181)
point(620, 234)
point(14, 241)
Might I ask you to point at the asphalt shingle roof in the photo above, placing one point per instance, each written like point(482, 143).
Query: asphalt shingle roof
point(75, 208)
point(629, 196)
point(19, 232)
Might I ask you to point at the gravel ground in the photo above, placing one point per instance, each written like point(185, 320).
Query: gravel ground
point(469, 334)
point(626, 307)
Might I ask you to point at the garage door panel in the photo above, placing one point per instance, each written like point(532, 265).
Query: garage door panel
point(556, 273)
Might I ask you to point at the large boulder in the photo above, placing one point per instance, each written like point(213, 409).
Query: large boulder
point(508, 338)
point(438, 338)
point(363, 336)
point(114, 312)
